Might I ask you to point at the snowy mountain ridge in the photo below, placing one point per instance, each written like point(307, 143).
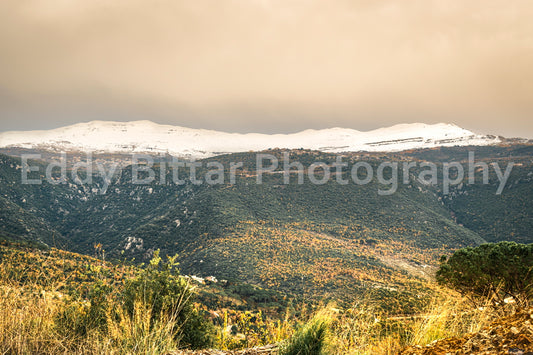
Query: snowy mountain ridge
point(150, 137)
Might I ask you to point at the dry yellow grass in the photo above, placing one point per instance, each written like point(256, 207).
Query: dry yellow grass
point(451, 316)
point(29, 325)
point(31, 322)
point(361, 330)
point(27, 322)
point(137, 335)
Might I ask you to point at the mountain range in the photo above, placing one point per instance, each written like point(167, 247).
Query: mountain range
point(149, 137)
point(314, 241)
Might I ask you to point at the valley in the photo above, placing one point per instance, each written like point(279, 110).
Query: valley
point(265, 234)
point(270, 247)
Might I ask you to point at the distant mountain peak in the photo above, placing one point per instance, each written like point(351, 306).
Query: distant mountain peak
point(149, 137)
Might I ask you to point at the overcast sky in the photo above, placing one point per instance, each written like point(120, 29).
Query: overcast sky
point(268, 65)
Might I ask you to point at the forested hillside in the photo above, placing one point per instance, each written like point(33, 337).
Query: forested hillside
point(316, 241)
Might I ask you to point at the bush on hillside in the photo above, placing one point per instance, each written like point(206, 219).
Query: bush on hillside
point(311, 339)
point(500, 271)
point(168, 296)
point(156, 303)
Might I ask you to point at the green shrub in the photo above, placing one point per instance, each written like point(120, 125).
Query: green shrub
point(311, 339)
point(499, 271)
point(170, 297)
point(81, 317)
point(155, 303)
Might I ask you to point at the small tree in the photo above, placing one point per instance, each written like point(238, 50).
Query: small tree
point(498, 271)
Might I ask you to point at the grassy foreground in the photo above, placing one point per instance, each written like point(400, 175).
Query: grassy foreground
point(45, 310)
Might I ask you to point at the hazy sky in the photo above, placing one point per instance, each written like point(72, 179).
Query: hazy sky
point(268, 65)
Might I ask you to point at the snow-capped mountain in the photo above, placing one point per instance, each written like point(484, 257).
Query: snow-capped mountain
point(149, 137)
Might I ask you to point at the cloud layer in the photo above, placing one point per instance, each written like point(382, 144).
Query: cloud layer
point(268, 65)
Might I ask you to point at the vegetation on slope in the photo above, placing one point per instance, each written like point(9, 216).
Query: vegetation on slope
point(502, 271)
point(276, 246)
point(54, 302)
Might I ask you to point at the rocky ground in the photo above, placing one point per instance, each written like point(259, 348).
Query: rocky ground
point(263, 350)
point(512, 335)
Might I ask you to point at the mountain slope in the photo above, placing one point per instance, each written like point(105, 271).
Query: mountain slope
point(508, 216)
point(326, 240)
point(149, 137)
